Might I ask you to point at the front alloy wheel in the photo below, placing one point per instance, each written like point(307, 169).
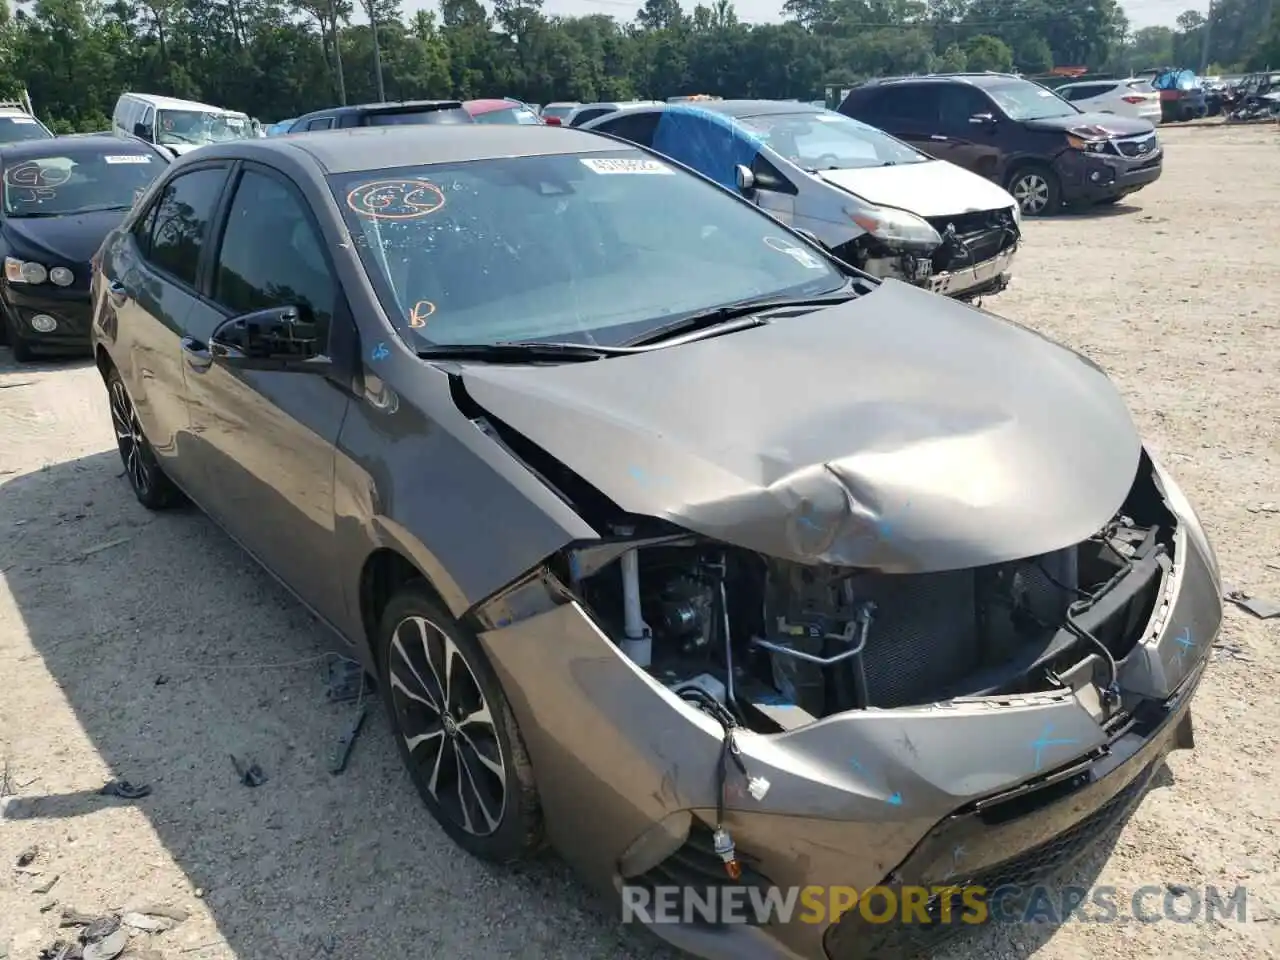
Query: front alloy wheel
point(1035, 190)
point(154, 490)
point(447, 726)
point(456, 731)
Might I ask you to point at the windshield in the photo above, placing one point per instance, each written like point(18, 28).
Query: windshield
point(16, 127)
point(829, 141)
point(56, 186)
point(201, 126)
point(1021, 100)
point(516, 114)
point(563, 248)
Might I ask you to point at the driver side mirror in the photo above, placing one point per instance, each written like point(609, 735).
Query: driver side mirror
point(987, 119)
point(142, 130)
point(278, 338)
point(745, 178)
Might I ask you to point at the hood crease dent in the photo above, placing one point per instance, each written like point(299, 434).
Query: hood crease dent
point(900, 432)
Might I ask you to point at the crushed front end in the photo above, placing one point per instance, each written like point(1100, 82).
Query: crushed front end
point(972, 257)
point(972, 726)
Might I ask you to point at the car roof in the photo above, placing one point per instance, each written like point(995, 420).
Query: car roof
point(75, 145)
point(749, 108)
point(360, 149)
point(394, 106)
point(976, 79)
point(173, 103)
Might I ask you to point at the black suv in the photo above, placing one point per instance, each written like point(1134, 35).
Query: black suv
point(383, 115)
point(1042, 149)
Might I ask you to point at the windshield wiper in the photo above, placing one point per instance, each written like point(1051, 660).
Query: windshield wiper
point(100, 209)
point(518, 352)
point(740, 315)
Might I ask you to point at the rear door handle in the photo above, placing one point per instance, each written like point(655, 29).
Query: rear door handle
point(197, 354)
point(937, 137)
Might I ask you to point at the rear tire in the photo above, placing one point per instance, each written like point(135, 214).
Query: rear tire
point(1036, 189)
point(455, 729)
point(151, 486)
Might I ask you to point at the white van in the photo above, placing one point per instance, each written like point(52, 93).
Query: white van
point(178, 126)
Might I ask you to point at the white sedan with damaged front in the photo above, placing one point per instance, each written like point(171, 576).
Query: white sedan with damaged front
point(874, 201)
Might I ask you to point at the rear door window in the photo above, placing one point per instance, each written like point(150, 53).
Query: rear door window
point(588, 115)
point(181, 226)
point(915, 106)
point(636, 127)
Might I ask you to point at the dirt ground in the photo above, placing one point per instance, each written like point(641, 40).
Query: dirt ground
point(149, 648)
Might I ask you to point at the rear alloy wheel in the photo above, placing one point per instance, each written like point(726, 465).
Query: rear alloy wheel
point(154, 490)
point(1036, 190)
point(455, 730)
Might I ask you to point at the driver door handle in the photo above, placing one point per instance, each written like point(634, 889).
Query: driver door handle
point(936, 136)
point(116, 293)
point(197, 354)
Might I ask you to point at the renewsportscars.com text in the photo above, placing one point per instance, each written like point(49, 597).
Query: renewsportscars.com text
point(970, 905)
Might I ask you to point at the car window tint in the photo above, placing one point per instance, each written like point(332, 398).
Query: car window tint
point(182, 222)
point(142, 229)
point(586, 115)
point(321, 123)
point(957, 103)
point(271, 255)
point(636, 127)
point(915, 104)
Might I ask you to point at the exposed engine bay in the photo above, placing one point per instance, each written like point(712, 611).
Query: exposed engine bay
point(781, 644)
point(968, 240)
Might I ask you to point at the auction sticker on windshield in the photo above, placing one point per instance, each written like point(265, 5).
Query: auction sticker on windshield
point(625, 166)
point(127, 158)
point(19, 119)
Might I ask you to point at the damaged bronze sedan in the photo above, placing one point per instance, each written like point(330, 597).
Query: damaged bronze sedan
point(672, 541)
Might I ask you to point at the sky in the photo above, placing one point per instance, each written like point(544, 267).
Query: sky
point(1141, 13)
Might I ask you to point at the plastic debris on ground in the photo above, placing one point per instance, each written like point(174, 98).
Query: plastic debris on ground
point(125, 790)
point(1260, 607)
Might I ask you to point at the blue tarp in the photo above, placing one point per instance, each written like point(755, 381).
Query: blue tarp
point(710, 142)
point(1177, 80)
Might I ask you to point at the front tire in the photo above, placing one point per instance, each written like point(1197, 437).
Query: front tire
point(455, 730)
point(1037, 191)
point(151, 486)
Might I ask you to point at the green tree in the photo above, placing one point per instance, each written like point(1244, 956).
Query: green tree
point(985, 52)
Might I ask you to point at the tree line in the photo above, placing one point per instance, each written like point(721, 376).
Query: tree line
point(275, 59)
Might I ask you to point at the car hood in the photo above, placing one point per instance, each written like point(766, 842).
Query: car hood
point(1088, 124)
point(933, 188)
point(70, 240)
point(900, 431)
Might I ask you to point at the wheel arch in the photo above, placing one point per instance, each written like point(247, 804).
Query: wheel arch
point(385, 571)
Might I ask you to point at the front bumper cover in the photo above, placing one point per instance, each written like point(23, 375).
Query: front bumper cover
point(71, 308)
point(859, 799)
